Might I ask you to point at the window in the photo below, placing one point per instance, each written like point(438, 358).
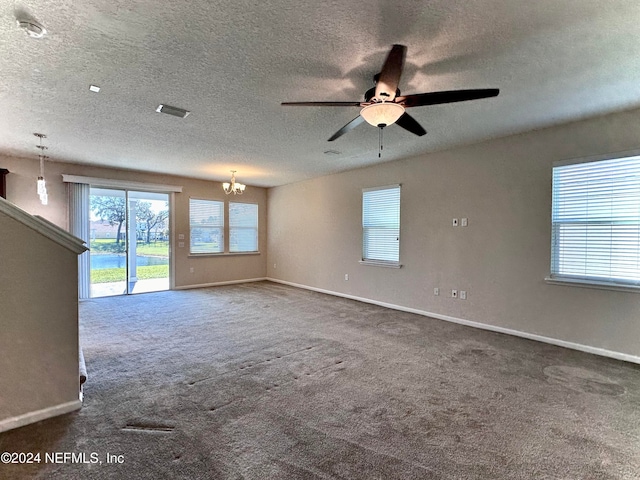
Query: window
point(596, 222)
point(381, 225)
point(206, 226)
point(243, 227)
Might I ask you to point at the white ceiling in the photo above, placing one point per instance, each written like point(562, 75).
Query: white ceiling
point(232, 63)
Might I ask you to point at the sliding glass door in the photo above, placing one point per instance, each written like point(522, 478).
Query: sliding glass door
point(108, 242)
point(148, 242)
point(129, 242)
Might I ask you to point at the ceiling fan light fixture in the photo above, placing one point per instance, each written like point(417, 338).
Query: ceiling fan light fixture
point(382, 114)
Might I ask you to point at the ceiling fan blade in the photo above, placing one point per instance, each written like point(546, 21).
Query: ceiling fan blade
point(410, 124)
point(450, 96)
point(348, 127)
point(389, 77)
point(322, 104)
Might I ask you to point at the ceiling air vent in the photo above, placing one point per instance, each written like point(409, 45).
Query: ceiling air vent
point(33, 28)
point(175, 111)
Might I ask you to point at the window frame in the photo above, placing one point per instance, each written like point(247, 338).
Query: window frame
point(221, 227)
point(369, 260)
point(589, 278)
point(254, 228)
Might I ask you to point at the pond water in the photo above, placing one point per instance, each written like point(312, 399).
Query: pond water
point(120, 261)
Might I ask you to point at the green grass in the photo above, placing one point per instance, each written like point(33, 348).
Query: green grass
point(110, 275)
point(106, 245)
point(160, 249)
point(109, 245)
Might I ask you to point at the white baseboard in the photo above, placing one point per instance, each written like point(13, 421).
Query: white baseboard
point(38, 415)
point(219, 284)
point(530, 336)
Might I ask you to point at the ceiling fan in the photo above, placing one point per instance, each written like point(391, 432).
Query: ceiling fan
point(383, 105)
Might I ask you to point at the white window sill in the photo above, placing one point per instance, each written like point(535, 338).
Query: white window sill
point(374, 263)
point(585, 283)
point(221, 254)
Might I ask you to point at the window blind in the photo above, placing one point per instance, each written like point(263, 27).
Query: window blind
point(596, 221)
point(79, 215)
point(206, 226)
point(381, 224)
point(243, 227)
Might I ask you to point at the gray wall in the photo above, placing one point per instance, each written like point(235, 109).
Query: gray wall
point(21, 190)
point(503, 187)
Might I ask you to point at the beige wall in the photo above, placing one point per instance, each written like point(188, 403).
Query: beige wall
point(501, 259)
point(21, 190)
point(38, 322)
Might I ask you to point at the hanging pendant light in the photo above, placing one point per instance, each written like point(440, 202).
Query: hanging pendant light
point(233, 187)
point(41, 183)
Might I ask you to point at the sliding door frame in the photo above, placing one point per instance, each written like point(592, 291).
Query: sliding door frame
point(97, 182)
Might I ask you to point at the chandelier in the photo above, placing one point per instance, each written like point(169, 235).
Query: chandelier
point(41, 184)
point(233, 187)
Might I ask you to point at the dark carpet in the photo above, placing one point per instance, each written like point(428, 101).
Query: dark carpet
point(265, 381)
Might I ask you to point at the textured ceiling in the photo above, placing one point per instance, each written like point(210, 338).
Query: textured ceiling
point(232, 63)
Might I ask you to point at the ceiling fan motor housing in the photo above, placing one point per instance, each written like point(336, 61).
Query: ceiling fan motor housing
point(369, 94)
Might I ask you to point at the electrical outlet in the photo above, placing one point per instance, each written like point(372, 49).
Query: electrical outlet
point(191, 270)
point(274, 266)
point(181, 236)
point(180, 244)
point(454, 293)
point(464, 222)
point(455, 222)
point(346, 276)
point(463, 295)
point(436, 291)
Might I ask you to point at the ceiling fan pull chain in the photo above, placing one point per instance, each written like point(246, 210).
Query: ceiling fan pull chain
point(380, 141)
